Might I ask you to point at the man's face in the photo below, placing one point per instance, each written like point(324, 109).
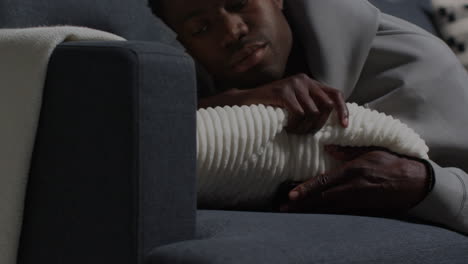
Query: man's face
point(242, 43)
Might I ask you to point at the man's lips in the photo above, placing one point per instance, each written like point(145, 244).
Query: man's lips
point(249, 56)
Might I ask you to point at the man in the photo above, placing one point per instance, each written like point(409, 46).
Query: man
point(323, 53)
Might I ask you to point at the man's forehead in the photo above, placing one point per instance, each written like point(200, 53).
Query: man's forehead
point(183, 10)
point(182, 4)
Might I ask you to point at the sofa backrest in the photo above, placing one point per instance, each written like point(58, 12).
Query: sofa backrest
point(131, 19)
point(418, 12)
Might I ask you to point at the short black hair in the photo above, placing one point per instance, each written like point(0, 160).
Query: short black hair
point(157, 7)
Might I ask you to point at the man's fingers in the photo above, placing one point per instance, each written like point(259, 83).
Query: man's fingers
point(342, 153)
point(320, 122)
point(307, 103)
point(311, 112)
point(296, 112)
point(293, 105)
point(340, 104)
point(328, 180)
point(322, 100)
point(325, 105)
point(338, 193)
point(317, 108)
point(349, 196)
point(323, 200)
point(355, 195)
point(310, 104)
point(317, 184)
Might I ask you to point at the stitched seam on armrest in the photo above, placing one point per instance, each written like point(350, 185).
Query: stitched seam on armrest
point(136, 152)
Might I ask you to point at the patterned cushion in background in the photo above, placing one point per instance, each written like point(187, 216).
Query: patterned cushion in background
point(452, 20)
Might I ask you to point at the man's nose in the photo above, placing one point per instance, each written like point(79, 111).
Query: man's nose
point(234, 29)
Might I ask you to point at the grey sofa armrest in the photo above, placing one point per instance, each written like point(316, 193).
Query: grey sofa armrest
point(113, 170)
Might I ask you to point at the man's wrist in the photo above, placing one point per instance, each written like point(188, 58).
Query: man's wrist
point(430, 175)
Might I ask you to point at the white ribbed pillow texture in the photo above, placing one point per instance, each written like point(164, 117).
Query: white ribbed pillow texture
point(244, 153)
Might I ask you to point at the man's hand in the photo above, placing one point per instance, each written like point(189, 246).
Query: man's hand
point(370, 181)
point(309, 103)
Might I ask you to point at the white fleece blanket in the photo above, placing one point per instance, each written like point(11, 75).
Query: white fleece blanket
point(244, 154)
point(24, 55)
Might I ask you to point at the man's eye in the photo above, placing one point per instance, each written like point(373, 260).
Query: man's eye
point(200, 30)
point(238, 5)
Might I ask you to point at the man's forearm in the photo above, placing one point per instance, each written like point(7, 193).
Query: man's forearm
point(227, 98)
point(447, 203)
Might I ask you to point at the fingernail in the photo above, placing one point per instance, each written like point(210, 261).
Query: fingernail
point(346, 122)
point(293, 195)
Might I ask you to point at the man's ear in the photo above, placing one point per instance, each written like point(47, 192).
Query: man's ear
point(279, 3)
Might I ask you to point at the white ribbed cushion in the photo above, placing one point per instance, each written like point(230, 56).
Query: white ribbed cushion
point(243, 153)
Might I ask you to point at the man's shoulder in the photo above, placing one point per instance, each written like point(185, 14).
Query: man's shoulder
point(391, 25)
point(399, 36)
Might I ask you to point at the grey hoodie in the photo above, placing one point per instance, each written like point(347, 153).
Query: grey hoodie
point(400, 69)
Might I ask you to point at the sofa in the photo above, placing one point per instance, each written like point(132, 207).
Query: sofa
point(113, 173)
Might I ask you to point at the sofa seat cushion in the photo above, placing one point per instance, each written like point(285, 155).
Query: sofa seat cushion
point(251, 237)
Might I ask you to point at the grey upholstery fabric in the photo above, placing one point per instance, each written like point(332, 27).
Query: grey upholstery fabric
point(244, 237)
point(131, 19)
point(416, 11)
point(113, 170)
